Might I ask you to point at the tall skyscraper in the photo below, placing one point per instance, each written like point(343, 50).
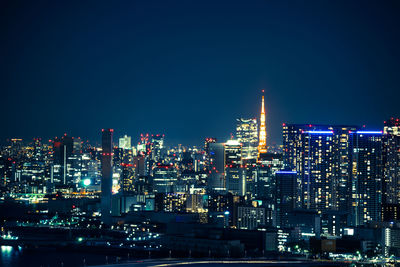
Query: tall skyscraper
point(262, 145)
point(157, 146)
point(247, 135)
point(63, 154)
point(367, 177)
point(106, 174)
point(234, 173)
point(265, 176)
point(391, 161)
point(207, 142)
point(286, 195)
point(217, 167)
point(128, 178)
point(233, 153)
point(308, 151)
point(320, 154)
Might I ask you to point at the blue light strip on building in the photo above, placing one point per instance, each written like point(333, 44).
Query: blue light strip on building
point(369, 132)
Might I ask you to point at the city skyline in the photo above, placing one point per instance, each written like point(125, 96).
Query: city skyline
point(125, 79)
point(155, 133)
point(261, 131)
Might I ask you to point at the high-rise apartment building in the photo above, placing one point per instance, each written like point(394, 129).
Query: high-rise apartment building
point(391, 161)
point(321, 156)
point(367, 176)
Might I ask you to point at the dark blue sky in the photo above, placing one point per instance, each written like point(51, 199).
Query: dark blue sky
point(190, 68)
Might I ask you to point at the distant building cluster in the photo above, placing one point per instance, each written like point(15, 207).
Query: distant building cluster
point(325, 182)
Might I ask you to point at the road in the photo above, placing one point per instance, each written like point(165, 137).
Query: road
point(227, 262)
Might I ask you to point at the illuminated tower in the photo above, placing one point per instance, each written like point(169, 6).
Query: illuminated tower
point(262, 145)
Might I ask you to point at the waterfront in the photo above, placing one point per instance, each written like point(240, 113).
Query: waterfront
point(16, 257)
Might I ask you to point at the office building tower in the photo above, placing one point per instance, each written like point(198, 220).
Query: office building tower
point(250, 173)
point(270, 163)
point(367, 177)
point(139, 164)
point(128, 178)
point(286, 195)
point(233, 153)
point(249, 218)
point(235, 180)
point(264, 185)
point(106, 174)
point(234, 173)
point(207, 143)
point(157, 147)
point(262, 145)
point(216, 180)
point(164, 178)
point(62, 150)
point(247, 135)
point(125, 142)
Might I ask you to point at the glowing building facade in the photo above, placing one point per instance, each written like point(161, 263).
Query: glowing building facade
point(234, 173)
point(321, 155)
point(391, 161)
point(339, 169)
point(125, 142)
point(128, 178)
point(367, 177)
point(247, 135)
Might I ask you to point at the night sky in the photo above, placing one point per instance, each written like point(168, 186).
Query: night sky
point(188, 69)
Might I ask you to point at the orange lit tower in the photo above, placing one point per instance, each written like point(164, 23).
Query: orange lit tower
point(262, 145)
